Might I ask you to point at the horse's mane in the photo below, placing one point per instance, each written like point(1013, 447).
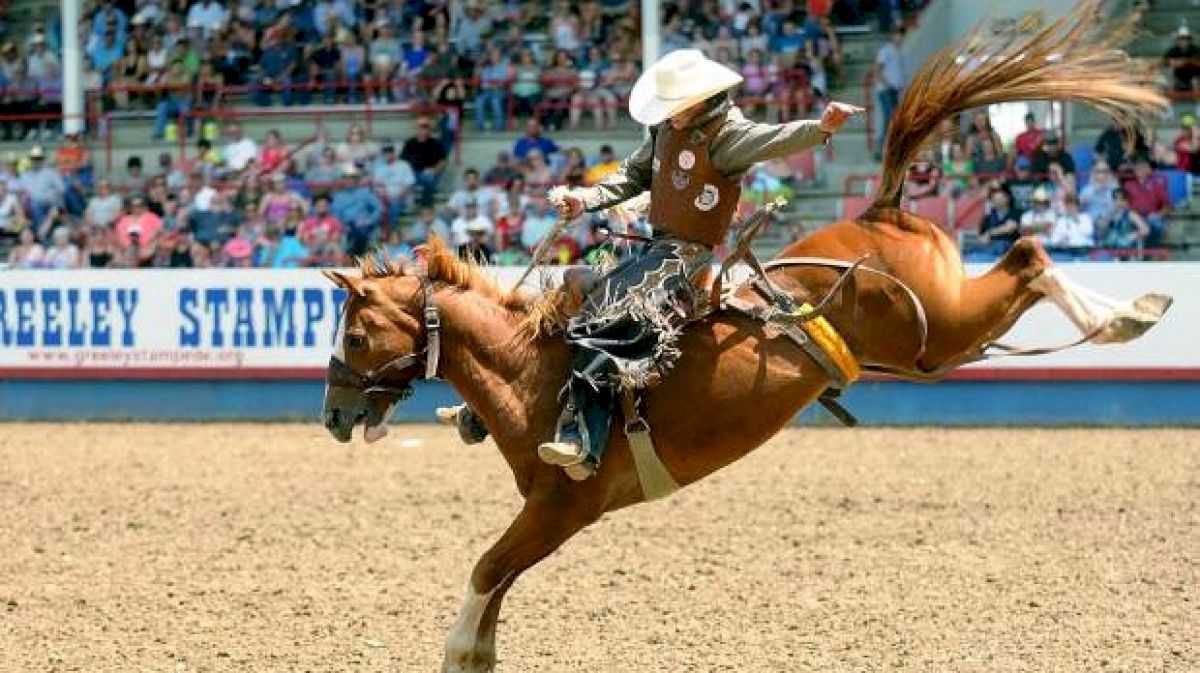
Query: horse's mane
point(1076, 58)
point(542, 313)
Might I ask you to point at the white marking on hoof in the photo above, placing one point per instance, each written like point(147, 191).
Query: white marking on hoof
point(449, 415)
point(466, 651)
point(1108, 320)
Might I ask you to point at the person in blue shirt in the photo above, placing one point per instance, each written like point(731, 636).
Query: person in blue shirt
point(534, 140)
point(280, 63)
point(789, 42)
point(105, 53)
point(359, 209)
point(109, 14)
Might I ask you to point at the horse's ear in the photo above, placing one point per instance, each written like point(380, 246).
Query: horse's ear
point(350, 284)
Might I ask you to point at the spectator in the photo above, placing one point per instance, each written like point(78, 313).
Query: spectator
point(890, 77)
point(1147, 194)
point(619, 76)
point(502, 172)
point(27, 253)
point(1022, 185)
point(472, 191)
point(353, 64)
point(491, 103)
point(100, 250)
point(62, 253)
point(754, 38)
point(325, 64)
point(1096, 198)
point(477, 249)
point(1039, 219)
point(593, 94)
point(279, 201)
point(560, 82)
point(132, 70)
point(1126, 229)
point(416, 55)
point(109, 15)
point(427, 225)
point(1029, 141)
point(790, 43)
point(133, 171)
point(573, 169)
point(958, 169)
point(289, 252)
point(471, 219)
point(172, 177)
point(175, 101)
point(540, 220)
point(605, 165)
point(104, 54)
point(238, 252)
point(468, 29)
point(533, 139)
point(1052, 153)
point(104, 207)
point(326, 170)
point(1116, 151)
point(537, 173)
point(1000, 227)
point(43, 184)
point(12, 214)
point(527, 84)
point(564, 28)
point(358, 208)
point(1073, 230)
point(394, 177)
point(280, 66)
point(239, 150)
point(357, 148)
point(427, 157)
point(980, 130)
point(1183, 58)
point(321, 225)
point(385, 54)
point(138, 231)
point(924, 177)
point(992, 163)
point(274, 153)
point(207, 16)
point(1187, 146)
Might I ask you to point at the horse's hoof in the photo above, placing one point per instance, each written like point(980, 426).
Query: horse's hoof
point(470, 427)
point(449, 415)
point(1131, 322)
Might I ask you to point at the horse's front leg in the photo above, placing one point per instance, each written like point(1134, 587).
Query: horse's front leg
point(548, 519)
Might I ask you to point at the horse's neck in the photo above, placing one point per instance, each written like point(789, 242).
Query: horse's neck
point(508, 380)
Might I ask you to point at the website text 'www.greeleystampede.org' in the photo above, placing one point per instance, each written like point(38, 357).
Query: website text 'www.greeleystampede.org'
point(137, 357)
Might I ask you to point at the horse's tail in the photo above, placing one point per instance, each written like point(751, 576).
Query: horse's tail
point(1075, 58)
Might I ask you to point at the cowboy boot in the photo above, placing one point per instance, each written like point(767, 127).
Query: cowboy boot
point(470, 426)
point(568, 448)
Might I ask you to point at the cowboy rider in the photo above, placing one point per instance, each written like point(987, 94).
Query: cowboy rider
point(692, 161)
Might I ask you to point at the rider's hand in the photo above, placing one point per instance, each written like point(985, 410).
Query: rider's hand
point(836, 114)
point(570, 206)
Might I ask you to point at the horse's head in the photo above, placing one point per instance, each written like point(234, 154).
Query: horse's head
point(389, 336)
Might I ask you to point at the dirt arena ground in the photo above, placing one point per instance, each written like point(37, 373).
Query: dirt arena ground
point(271, 548)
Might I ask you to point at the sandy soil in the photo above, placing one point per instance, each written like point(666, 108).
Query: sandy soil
point(270, 548)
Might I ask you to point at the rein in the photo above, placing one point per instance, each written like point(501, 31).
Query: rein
point(371, 382)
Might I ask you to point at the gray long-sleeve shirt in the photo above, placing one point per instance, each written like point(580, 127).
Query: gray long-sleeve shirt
point(739, 144)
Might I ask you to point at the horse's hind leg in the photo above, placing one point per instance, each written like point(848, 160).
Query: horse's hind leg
point(544, 523)
point(1100, 318)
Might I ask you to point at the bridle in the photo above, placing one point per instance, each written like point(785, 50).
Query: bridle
point(371, 382)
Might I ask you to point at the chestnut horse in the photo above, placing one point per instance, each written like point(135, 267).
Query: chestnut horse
point(447, 319)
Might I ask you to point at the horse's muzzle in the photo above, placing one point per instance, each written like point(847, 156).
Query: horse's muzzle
point(341, 424)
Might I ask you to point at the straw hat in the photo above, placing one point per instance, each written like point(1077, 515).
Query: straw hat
point(676, 82)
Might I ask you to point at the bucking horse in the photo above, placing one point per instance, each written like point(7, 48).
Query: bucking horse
point(889, 286)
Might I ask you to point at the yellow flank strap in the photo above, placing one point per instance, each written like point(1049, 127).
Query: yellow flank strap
point(825, 336)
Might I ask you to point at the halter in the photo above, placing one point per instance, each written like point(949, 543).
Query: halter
point(371, 381)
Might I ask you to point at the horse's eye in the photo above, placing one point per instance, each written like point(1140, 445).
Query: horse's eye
point(356, 342)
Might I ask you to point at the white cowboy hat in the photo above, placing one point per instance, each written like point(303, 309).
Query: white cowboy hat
point(676, 82)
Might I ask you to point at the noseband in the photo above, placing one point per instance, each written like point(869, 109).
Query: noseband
point(371, 382)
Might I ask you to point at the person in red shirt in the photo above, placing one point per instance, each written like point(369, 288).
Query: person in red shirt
point(1148, 198)
point(321, 225)
point(1030, 140)
point(1186, 146)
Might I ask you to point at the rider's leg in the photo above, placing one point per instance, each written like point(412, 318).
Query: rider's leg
point(583, 430)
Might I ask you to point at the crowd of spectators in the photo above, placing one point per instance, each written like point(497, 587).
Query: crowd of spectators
point(1121, 202)
point(555, 60)
point(241, 202)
